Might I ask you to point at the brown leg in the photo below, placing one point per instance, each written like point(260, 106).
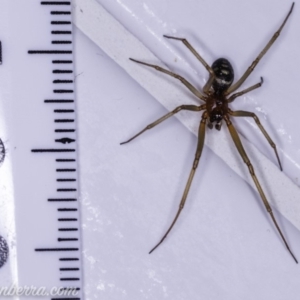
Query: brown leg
point(246, 160)
point(191, 48)
point(201, 136)
point(251, 88)
point(168, 115)
point(258, 58)
point(196, 92)
point(241, 113)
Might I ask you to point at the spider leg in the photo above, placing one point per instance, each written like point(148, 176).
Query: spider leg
point(258, 58)
point(196, 92)
point(251, 88)
point(208, 84)
point(246, 160)
point(191, 48)
point(201, 136)
point(168, 115)
point(241, 113)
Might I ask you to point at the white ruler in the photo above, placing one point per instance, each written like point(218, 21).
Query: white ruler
point(38, 104)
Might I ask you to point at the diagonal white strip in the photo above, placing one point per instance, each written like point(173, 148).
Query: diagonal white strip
point(111, 36)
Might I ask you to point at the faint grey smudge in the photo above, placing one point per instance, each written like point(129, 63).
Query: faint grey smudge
point(4, 251)
point(2, 152)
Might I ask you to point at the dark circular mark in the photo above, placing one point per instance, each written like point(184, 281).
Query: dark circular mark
point(4, 251)
point(2, 152)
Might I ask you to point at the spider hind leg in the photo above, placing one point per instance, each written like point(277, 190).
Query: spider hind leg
point(201, 137)
point(240, 148)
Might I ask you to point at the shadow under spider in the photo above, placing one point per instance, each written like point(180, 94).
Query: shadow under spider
point(216, 97)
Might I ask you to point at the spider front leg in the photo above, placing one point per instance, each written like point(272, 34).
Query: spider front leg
point(191, 48)
point(241, 113)
point(259, 57)
point(201, 137)
point(243, 92)
point(207, 86)
point(196, 92)
point(247, 161)
point(165, 117)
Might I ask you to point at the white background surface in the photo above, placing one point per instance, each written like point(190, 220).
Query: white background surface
point(224, 244)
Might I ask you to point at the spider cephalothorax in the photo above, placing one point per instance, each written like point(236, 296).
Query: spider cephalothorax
point(217, 107)
point(216, 96)
point(216, 115)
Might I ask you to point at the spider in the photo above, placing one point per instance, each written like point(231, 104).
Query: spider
point(216, 97)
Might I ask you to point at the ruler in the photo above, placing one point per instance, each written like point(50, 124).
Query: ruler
point(40, 138)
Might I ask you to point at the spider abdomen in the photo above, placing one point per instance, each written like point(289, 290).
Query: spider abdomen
point(224, 75)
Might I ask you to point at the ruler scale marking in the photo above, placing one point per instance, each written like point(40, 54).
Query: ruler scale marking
point(61, 42)
point(55, 3)
point(61, 57)
point(60, 23)
point(60, 12)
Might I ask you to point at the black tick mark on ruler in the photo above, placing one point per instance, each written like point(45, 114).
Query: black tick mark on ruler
point(60, 12)
point(65, 141)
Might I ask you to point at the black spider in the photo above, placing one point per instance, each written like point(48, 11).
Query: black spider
point(216, 97)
